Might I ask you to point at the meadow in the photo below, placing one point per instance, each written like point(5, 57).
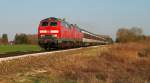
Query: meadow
point(18, 48)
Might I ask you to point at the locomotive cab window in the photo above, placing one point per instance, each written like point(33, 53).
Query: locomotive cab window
point(53, 23)
point(44, 23)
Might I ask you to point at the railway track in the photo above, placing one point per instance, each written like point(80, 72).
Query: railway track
point(12, 54)
point(9, 56)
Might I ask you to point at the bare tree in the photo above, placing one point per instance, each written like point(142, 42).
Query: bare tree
point(121, 35)
point(136, 31)
point(127, 35)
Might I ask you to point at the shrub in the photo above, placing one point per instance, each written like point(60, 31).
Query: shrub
point(4, 39)
point(21, 39)
point(32, 39)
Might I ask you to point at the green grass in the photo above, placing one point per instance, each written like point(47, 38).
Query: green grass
point(18, 48)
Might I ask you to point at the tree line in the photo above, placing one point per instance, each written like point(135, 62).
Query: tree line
point(20, 39)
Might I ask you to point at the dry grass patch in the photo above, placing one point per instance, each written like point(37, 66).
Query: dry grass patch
point(117, 63)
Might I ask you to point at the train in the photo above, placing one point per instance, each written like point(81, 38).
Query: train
point(58, 33)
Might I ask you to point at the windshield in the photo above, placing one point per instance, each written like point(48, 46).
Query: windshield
point(44, 23)
point(53, 23)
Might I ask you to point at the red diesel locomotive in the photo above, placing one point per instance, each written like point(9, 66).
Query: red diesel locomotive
point(57, 33)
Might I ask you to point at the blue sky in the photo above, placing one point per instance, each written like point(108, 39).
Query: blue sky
point(97, 16)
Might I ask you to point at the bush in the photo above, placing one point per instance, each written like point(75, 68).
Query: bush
point(32, 39)
point(4, 39)
point(21, 39)
point(144, 52)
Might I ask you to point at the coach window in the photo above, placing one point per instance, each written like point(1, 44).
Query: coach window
point(44, 23)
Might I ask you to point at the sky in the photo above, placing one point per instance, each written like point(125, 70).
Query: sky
point(103, 17)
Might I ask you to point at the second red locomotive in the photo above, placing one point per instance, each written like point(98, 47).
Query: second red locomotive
point(57, 33)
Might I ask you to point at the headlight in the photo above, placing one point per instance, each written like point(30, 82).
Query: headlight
point(43, 31)
point(54, 31)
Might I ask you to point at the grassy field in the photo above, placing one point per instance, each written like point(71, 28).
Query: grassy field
point(118, 63)
point(18, 48)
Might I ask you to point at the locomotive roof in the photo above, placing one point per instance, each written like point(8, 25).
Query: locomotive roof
point(51, 18)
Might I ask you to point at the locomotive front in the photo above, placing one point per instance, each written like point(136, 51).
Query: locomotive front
point(49, 32)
